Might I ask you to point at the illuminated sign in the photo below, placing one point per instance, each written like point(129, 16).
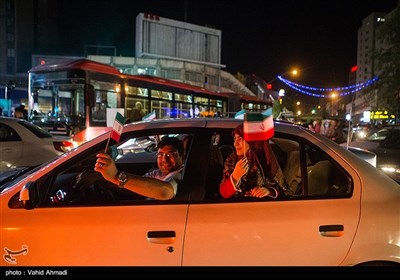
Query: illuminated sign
point(381, 115)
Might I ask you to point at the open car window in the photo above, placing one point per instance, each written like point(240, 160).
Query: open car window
point(307, 170)
point(76, 183)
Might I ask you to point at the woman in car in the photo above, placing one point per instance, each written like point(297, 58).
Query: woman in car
point(251, 170)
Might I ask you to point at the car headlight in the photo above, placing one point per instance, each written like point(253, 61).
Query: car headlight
point(391, 169)
point(362, 134)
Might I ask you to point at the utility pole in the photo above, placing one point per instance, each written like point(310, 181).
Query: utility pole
point(185, 16)
point(9, 86)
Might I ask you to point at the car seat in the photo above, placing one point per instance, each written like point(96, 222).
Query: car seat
point(320, 178)
point(292, 171)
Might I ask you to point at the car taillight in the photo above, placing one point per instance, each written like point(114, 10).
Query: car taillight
point(63, 146)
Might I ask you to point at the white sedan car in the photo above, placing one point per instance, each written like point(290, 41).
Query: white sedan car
point(337, 209)
point(25, 144)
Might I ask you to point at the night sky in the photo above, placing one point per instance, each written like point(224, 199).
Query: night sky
point(260, 37)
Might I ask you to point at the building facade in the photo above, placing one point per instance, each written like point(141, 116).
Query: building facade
point(192, 54)
point(365, 105)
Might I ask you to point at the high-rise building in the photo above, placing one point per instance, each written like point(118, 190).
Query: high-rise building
point(369, 41)
point(366, 43)
point(25, 28)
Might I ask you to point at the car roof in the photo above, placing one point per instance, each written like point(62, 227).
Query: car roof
point(229, 123)
point(9, 119)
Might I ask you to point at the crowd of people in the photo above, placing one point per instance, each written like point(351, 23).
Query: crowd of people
point(19, 112)
point(333, 129)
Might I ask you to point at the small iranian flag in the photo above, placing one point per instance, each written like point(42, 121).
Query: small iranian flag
point(117, 127)
point(240, 115)
point(258, 126)
point(150, 116)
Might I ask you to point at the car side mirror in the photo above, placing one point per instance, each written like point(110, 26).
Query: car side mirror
point(28, 196)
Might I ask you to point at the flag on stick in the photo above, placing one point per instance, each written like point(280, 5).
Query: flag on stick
point(258, 126)
point(240, 115)
point(150, 116)
point(117, 127)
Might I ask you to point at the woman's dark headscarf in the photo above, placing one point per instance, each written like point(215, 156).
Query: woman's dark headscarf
point(264, 153)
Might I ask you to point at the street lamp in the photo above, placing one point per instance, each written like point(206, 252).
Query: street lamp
point(281, 92)
point(294, 72)
point(333, 96)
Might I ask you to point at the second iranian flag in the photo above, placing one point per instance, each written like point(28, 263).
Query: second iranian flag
point(258, 126)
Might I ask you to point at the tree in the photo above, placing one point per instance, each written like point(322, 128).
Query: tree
point(276, 108)
point(387, 59)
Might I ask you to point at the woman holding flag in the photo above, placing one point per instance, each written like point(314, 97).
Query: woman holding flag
point(251, 170)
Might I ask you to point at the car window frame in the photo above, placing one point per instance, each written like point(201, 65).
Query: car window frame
point(302, 143)
point(47, 189)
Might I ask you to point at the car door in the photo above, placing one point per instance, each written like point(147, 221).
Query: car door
point(73, 228)
point(85, 236)
point(300, 230)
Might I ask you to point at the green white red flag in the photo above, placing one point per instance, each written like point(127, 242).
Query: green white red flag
point(258, 126)
point(240, 115)
point(150, 116)
point(117, 127)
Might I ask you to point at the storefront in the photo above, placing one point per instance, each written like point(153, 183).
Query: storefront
point(381, 117)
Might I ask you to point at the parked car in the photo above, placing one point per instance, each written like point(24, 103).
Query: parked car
point(25, 144)
point(366, 155)
point(360, 131)
point(337, 209)
point(54, 125)
point(385, 143)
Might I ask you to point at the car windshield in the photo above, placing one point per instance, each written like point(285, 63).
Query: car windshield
point(13, 176)
point(379, 135)
point(392, 142)
point(386, 135)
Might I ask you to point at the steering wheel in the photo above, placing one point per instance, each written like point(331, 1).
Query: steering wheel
point(152, 148)
point(91, 186)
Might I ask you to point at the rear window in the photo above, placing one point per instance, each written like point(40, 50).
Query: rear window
point(38, 131)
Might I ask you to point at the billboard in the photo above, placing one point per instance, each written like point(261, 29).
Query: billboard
point(158, 37)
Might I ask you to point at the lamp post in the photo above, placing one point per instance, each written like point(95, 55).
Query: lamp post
point(269, 85)
point(294, 72)
point(9, 87)
point(333, 96)
point(281, 92)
